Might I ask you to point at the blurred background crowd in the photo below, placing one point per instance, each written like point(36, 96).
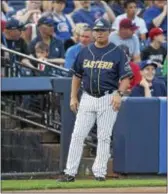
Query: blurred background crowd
point(56, 30)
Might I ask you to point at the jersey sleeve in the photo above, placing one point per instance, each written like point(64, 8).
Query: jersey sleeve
point(77, 67)
point(124, 67)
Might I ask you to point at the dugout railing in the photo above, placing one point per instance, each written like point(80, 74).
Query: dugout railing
point(39, 104)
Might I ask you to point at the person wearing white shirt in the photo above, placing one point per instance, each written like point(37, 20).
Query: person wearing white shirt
point(126, 36)
point(131, 9)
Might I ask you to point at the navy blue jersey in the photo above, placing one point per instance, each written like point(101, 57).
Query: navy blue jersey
point(157, 89)
point(101, 68)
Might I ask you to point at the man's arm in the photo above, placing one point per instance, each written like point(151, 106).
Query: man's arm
point(136, 58)
point(109, 13)
point(58, 61)
point(76, 83)
point(159, 19)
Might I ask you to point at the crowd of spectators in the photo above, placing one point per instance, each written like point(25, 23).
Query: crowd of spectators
point(55, 31)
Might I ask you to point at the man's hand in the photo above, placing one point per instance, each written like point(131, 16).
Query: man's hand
point(116, 101)
point(144, 83)
point(74, 104)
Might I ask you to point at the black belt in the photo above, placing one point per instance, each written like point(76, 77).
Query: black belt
point(98, 95)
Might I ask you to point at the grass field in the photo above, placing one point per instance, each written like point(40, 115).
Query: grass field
point(11, 185)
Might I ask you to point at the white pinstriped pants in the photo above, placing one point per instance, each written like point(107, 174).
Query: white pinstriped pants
point(92, 109)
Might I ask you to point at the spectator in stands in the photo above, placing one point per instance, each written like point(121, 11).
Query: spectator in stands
point(126, 36)
point(136, 78)
point(56, 47)
point(31, 13)
point(149, 86)
point(155, 51)
point(156, 15)
point(41, 53)
point(62, 24)
point(88, 14)
point(11, 38)
point(47, 6)
point(72, 52)
point(76, 35)
point(130, 13)
point(117, 6)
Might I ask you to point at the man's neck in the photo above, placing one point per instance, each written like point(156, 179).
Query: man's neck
point(155, 45)
point(46, 39)
point(131, 17)
point(101, 45)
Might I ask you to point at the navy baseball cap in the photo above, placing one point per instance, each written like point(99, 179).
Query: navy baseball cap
point(46, 21)
point(101, 24)
point(13, 24)
point(146, 63)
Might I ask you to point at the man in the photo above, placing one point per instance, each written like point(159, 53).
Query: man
point(136, 78)
point(149, 86)
point(130, 13)
point(11, 38)
point(31, 13)
point(62, 24)
point(126, 36)
point(72, 52)
point(99, 67)
point(88, 14)
point(56, 47)
point(156, 15)
point(155, 51)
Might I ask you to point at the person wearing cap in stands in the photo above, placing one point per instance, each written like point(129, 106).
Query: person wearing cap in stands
point(11, 38)
point(126, 36)
point(63, 24)
point(155, 51)
point(56, 47)
point(149, 85)
point(99, 67)
point(130, 13)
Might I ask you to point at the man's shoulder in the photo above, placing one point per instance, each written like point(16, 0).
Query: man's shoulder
point(139, 20)
point(78, 12)
point(35, 40)
point(57, 41)
point(120, 17)
point(152, 9)
point(73, 48)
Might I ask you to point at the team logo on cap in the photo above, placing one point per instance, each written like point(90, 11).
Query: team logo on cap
point(100, 23)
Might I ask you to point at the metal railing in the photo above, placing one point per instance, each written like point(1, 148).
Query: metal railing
point(45, 114)
point(58, 71)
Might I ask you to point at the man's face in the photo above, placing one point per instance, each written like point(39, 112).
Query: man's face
point(14, 34)
point(85, 37)
point(160, 38)
point(148, 73)
point(85, 4)
point(160, 3)
point(46, 29)
point(101, 36)
point(126, 33)
point(40, 54)
point(34, 4)
point(131, 9)
point(59, 6)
